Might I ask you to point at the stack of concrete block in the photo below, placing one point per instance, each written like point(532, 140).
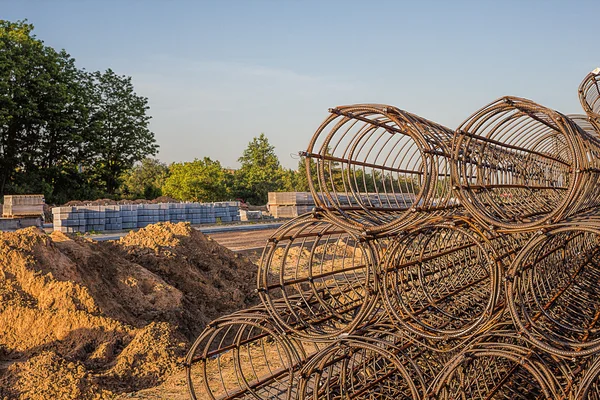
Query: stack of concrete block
point(95, 218)
point(207, 215)
point(29, 205)
point(177, 212)
point(147, 214)
point(163, 212)
point(119, 217)
point(227, 211)
point(290, 204)
point(193, 213)
point(129, 216)
point(69, 219)
point(113, 218)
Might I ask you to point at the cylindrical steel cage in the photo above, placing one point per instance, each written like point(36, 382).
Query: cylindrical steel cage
point(552, 289)
point(518, 165)
point(443, 279)
point(498, 365)
point(378, 167)
point(245, 356)
point(324, 275)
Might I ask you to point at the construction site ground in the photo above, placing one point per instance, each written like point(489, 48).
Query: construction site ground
point(247, 242)
point(89, 318)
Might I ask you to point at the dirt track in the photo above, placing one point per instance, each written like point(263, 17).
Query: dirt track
point(245, 240)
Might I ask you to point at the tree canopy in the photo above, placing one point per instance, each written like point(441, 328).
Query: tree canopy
point(64, 132)
point(260, 171)
point(200, 180)
point(72, 134)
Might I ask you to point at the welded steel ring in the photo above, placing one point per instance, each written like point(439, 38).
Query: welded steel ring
point(519, 165)
point(245, 356)
point(443, 279)
point(552, 289)
point(358, 367)
point(588, 387)
point(376, 167)
point(499, 367)
point(323, 274)
point(589, 96)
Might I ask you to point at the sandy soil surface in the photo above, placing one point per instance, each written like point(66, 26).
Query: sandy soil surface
point(99, 320)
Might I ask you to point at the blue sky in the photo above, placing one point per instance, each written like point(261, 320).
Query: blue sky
point(218, 73)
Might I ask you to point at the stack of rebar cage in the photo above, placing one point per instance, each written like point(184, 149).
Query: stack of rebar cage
point(437, 264)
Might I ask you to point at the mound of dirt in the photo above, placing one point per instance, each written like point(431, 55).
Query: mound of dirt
point(85, 320)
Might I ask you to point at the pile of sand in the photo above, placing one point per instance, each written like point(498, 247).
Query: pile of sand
point(81, 319)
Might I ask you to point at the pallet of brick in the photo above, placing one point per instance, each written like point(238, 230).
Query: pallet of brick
point(287, 211)
point(290, 198)
point(69, 219)
point(246, 215)
point(129, 219)
point(30, 205)
point(163, 212)
point(95, 218)
point(177, 212)
point(113, 218)
point(147, 214)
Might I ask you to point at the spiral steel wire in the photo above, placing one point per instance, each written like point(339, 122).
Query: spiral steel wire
point(518, 165)
point(245, 355)
point(437, 264)
point(314, 261)
point(589, 96)
point(588, 386)
point(378, 167)
point(500, 365)
point(552, 289)
point(443, 279)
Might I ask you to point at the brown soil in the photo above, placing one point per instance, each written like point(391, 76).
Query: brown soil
point(87, 320)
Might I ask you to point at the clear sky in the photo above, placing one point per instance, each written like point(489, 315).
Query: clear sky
point(218, 73)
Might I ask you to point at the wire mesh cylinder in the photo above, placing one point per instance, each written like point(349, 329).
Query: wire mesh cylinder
point(379, 167)
point(359, 367)
point(500, 366)
point(322, 273)
point(443, 279)
point(589, 96)
point(552, 289)
point(518, 165)
point(245, 356)
point(588, 387)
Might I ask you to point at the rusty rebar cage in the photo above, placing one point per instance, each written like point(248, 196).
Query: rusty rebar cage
point(437, 264)
point(246, 356)
point(443, 279)
point(552, 289)
point(379, 167)
point(589, 96)
point(518, 165)
point(323, 273)
point(500, 365)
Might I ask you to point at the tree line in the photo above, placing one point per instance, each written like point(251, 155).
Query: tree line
point(73, 134)
point(206, 180)
point(65, 132)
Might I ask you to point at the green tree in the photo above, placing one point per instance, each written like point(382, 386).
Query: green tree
point(145, 180)
point(64, 132)
point(260, 172)
point(42, 112)
point(200, 180)
point(118, 136)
